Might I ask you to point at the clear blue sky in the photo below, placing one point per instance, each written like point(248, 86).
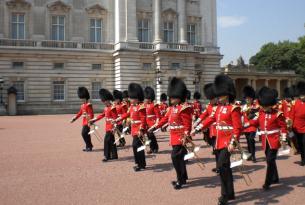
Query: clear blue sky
point(245, 25)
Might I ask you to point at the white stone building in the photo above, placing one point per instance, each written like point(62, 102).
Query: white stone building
point(50, 47)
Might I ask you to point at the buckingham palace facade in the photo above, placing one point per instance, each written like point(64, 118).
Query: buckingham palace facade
point(48, 48)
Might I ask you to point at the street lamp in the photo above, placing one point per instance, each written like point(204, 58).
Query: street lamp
point(1, 90)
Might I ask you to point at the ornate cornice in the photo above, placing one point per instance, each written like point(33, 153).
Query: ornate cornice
point(96, 9)
point(59, 6)
point(18, 5)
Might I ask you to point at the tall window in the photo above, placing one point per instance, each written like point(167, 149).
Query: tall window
point(18, 28)
point(168, 32)
point(59, 90)
point(95, 30)
point(143, 30)
point(58, 28)
point(96, 86)
point(19, 85)
point(191, 34)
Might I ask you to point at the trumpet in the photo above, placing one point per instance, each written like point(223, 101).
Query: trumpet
point(238, 162)
point(191, 151)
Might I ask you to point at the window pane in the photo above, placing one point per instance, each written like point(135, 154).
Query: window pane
point(171, 26)
point(14, 31)
point(96, 86)
point(54, 19)
point(98, 35)
point(54, 33)
point(99, 23)
point(61, 20)
point(21, 31)
point(61, 33)
point(145, 36)
point(58, 90)
point(92, 35)
point(92, 23)
point(21, 18)
point(19, 85)
point(14, 18)
point(145, 23)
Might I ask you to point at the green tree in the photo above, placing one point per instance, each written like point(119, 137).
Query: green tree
point(284, 55)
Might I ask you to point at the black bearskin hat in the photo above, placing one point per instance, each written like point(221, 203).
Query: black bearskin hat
point(177, 89)
point(267, 96)
point(188, 94)
point(197, 95)
point(224, 85)
point(125, 94)
point(288, 93)
point(294, 91)
point(149, 93)
point(209, 91)
point(83, 93)
point(163, 97)
point(301, 88)
point(117, 95)
point(135, 91)
point(105, 95)
point(249, 92)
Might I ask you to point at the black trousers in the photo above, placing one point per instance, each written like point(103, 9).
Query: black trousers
point(213, 143)
point(110, 150)
point(139, 157)
point(153, 144)
point(250, 136)
point(122, 140)
point(225, 173)
point(271, 174)
point(177, 156)
point(86, 136)
point(301, 145)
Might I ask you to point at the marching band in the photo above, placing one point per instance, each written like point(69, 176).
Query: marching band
point(223, 121)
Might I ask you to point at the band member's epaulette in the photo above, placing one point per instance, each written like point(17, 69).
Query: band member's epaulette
point(279, 113)
point(213, 111)
point(142, 106)
point(185, 106)
point(235, 106)
point(89, 104)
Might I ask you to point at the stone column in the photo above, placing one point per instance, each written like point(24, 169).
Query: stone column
point(278, 87)
point(181, 7)
point(131, 20)
point(120, 20)
point(289, 82)
point(157, 19)
point(266, 82)
point(254, 84)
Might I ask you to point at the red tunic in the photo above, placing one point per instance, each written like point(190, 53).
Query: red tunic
point(197, 108)
point(121, 108)
point(110, 114)
point(206, 113)
point(179, 119)
point(298, 116)
point(245, 110)
point(163, 108)
point(137, 114)
point(271, 125)
point(228, 124)
point(152, 113)
point(87, 111)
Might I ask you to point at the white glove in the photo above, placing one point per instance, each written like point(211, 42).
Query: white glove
point(283, 137)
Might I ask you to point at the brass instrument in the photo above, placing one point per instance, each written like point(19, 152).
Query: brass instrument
point(93, 128)
point(192, 149)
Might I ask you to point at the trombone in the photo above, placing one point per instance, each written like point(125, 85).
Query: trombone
point(191, 152)
point(243, 156)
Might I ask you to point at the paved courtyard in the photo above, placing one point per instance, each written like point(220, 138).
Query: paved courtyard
point(41, 162)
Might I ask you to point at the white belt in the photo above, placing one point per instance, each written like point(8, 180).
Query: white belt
point(149, 116)
point(135, 121)
point(176, 127)
point(109, 119)
point(268, 132)
point(218, 127)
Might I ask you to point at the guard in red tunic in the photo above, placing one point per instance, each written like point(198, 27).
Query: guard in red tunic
point(179, 119)
point(210, 133)
point(86, 111)
point(298, 119)
point(227, 116)
point(152, 117)
point(248, 113)
point(121, 108)
point(285, 105)
point(126, 123)
point(137, 114)
point(163, 104)
point(110, 114)
point(197, 105)
point(273, 129)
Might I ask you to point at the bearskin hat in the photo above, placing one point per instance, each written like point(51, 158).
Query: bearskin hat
point(163, 97)
point(83, 93)
point(177, 89)
point(267, 96)
point(209, 91)
point(105, 95)
point(149, 93)
point(117, 95)
point(301, 88)
point(287, 93)
point(125, 94)
point(197, 95)
point(294, 91)
point(224, 85)
point(249, 92)
point(188, 94)
point(135, 91)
